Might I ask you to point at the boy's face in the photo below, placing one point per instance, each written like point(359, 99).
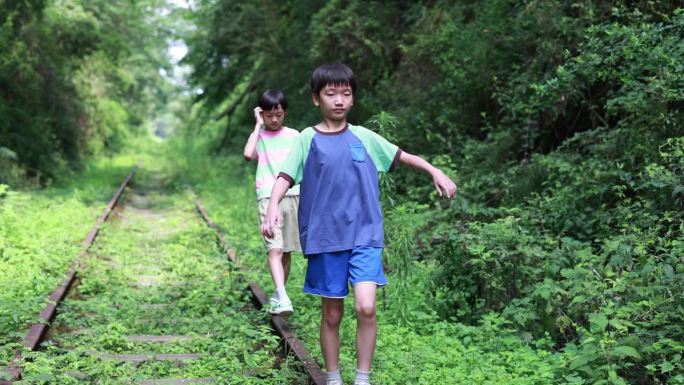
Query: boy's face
point(273, 119)
point(335, 101)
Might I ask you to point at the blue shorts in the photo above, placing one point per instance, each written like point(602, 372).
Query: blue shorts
point(327, 274)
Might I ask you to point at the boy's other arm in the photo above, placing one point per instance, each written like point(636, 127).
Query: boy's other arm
point(444, 185)
point(273, 215)
point(250, 147)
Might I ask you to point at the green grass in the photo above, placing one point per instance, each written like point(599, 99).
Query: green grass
point(195, 293)
point(41, 232)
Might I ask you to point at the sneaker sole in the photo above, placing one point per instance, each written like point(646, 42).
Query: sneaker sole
point(283, 312)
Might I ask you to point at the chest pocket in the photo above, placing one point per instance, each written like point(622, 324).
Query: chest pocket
point(358, 153)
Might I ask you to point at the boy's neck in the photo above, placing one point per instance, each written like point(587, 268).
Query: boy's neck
point(332, 125)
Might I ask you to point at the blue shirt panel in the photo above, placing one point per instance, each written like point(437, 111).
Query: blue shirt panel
point(339, 206)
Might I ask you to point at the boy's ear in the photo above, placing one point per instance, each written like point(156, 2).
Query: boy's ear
point(316, 100)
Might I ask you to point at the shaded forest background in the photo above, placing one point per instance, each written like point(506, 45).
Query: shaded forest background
point(561, 121)
point(76, 79)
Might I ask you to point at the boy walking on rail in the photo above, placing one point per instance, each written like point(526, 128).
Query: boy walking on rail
point(269, 145)
point(336, 165)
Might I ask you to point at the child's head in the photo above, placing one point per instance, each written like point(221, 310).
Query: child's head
point(273, 104)
point(333, 86)
point(334, 74)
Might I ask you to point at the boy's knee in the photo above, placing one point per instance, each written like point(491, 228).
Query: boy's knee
point(365, 310)
point(332, 316)
point(275, 254)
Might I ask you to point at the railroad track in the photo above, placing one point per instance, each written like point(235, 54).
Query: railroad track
point(160, 298)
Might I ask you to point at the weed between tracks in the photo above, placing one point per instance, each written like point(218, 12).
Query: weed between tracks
point(156, 270)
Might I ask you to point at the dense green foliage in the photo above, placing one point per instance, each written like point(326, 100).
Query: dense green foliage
point(76, 78)
point(562, 123)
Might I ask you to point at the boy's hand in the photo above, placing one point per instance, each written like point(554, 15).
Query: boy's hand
point(273, 220)
point(444, 185)
point(258, 117)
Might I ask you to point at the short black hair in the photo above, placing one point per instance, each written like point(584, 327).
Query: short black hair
point(332, 73)
point(271, 99)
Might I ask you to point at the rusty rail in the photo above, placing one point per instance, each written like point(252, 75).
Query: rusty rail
point(280, 324)
point(38, 330)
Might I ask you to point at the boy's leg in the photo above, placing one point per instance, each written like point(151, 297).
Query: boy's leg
point(366, 324)
point(327, 277)
point(275, 253)
point(276, 266)
point(290, 231)
point(366, 274)
point(280, 301)
point(332, 310)
point(287, 260)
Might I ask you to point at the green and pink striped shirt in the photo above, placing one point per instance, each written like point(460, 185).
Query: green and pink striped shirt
point(272, 150)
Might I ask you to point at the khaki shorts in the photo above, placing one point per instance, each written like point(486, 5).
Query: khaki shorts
point(286, 236)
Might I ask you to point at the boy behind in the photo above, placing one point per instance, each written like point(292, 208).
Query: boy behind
point(340, 218)
point(269, 144)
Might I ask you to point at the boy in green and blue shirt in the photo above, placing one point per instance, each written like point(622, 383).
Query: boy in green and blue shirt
point(340, 219)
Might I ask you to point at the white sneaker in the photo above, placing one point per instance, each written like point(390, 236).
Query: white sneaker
point(283, 308)
point(334, 382)
point(362, 382)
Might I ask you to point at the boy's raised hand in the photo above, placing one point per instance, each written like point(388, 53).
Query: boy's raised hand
point(258, 117)
point(273, 218)
point(444, 185)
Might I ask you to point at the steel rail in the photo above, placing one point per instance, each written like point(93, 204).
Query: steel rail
point(279, 323)
point(39, 329)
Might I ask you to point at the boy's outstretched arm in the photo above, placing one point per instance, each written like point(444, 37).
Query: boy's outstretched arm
point(444, 185)
point(273, 216)
point(250, 147)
